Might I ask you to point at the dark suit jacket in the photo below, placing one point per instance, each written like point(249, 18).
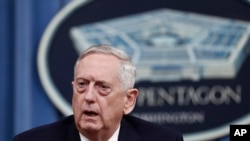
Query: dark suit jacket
point(132, 129)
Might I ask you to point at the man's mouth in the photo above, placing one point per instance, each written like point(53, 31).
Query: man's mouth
point(90, 113)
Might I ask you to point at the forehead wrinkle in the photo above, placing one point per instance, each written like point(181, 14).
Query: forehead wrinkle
point(97, 64)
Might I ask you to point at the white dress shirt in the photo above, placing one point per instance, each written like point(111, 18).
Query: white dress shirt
point(114, 137)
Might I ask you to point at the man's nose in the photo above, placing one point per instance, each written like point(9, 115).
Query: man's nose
point(90, 94)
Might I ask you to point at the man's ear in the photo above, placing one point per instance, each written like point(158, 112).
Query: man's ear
point(130, 100)
point(72, 84)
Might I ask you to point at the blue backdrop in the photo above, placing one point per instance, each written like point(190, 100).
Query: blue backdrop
point(23, 102)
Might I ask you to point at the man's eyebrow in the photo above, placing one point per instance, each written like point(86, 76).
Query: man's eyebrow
point(102, 82)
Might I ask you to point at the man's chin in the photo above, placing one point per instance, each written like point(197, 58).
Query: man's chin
point(90, 127)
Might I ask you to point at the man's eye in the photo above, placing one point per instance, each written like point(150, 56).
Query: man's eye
point(81, 85)
point(104, 89)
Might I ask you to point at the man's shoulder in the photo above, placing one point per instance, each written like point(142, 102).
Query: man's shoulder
point(151, 130)
point(53, 130)
point(52, 126)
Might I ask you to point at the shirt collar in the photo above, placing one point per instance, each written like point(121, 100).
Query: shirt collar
point(114, 137)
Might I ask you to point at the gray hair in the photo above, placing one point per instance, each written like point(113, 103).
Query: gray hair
point(127, 69)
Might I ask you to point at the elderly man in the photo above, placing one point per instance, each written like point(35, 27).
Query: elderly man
point(103, 97)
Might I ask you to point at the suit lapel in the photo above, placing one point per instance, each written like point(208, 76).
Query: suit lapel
point(72, 133)
point(127, 132)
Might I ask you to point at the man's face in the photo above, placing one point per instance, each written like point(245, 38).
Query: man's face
point(98, 102)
